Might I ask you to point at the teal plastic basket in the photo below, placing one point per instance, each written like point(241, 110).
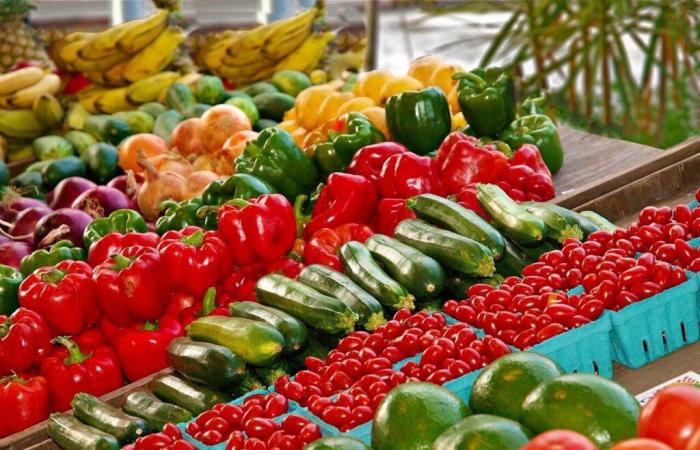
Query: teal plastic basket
point(647, 330)
point(586, 349)
point(462, 386)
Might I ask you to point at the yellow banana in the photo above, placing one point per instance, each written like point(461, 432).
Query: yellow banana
point(115, 74)
point(24, 98)
point(106, 43)
point(48, 110)
point(288, 37)
point(144, 33)
point(114, 100)
point(156, 56)
point(244, 77)
point(19, 123)
point(97, 65)
point(307, 56)
point(248, 69)
point(76, 115)
point(67, 53)
point(87, 98)
point(148, 89)
point(97, 77)
point(212, 54)
point(12, 82)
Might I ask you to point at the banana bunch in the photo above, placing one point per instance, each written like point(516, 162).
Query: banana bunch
point(20, 124)
point(20, 88)
point(252, 55)
point(122, 54)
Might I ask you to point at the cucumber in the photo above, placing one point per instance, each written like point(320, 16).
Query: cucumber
point(107, 128)
point(455, 217)
point(179, 96)
point(587, 225)
point(186, 394)
point(80, 140)
point(321, 312)
point(210, 364)
point(60, 169)
point(509, 217)
point(257, 343)
point(71, 434)
point(335, 284)
point(52, 147)
point(156, 413)
point(268, 375)
point(248, 383)
point(422, 275)
point(155, 109)
point(600, 221)
point(293, 330)
point(138, 121)
point(209, 89)
point(165, 124)
point(458, 284)
point(105, 417)
point(512, 263)
point(450, 249)
point(364, 270)
point(561, 223)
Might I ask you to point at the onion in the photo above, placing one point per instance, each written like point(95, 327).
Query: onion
point(12, 203)
point(23, 228)
point(101, 201)
point(65, 192)
point(64, 223)
point(11, 253)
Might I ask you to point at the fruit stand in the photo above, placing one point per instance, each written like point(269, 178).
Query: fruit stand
point(231, 244)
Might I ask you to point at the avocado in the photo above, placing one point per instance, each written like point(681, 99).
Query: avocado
point(483, 432)
point(273, 105)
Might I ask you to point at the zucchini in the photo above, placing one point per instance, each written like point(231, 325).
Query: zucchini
point(293, 330)
point(600, 221)
point(210, 364)
point(209, 89)
point(561, 223)
point(335, 284)
point(449, 248)
point(315, 348)
point(458, 284)
point(268, 375)
point(71, 434)
point(248, 383)
point(80, 140)
point(455, 217)
point(509, 217)
point(156, 413)
point(105, 417)
point(366, 272)
point(532, 254)
point(513, 261)
point(321, 312)
point(587, 225)
point(257, 343)
point(179, 96)
point(107, 128)
point(186, 394)
point(419, 273)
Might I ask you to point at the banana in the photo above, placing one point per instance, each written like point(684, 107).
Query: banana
point(238, 76)
point(12, 82)
point(148, 89)
point(189, 79)
point(19, 123)
point(48, 110)
point(67, 53)
point(24, 98)
point(248, 69)
point(76, 115)
point(287, 38)
point(97, 77)
point(144, 33)
point(156, 56)
point(99, 65)
point(114, 100)
point(115, 74)
point(87, 98)
point(212, 54)
point(307, 56)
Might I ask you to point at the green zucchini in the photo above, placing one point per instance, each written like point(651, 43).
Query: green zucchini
point(561, 223)
point(455, 217)
point(268, 375)
point(156, 413)
point(321, 312)
point(512, 219)
point(71, 434)
point(248, 383)
point(107, 128)
point(333, 283)
point(293, 330)
point(422, 275)
point(186, 394)
point(315, 348)
point(105, 417)
point(366, 272)
point(449, 248)
point(458, 284)
point(210, 364)
point(179, 96)
point(257, 343)
point(600, 221)
point(587, 225)
point(513, 261)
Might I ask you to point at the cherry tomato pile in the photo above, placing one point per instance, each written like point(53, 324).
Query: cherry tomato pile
point(293, 433)
point(170, 438)
point(257, 411)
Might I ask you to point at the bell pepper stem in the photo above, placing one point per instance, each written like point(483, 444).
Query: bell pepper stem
point(195, 239)
point(253, 150)
point(204, 211)
point(12, 377)
point(120, 261)
point(75, 355)
point(474, 78)
point(238, 202)
point(5, 327)
point(150, 326)
point(53, 275)
point(301, 218)
point(208, 302)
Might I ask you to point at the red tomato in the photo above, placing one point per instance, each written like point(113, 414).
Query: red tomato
point(671, 416)
point(336, 415)
point(560, 440)
point(641, 444)
point(646, 216)
point(310, 432)
point(260, 428)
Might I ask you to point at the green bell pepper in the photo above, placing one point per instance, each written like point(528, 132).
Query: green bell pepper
point(487, 100)
point(60, 251)
point(275, 158)
point(10, 279)
point(353, 132)
point(120, 221)
point(420, 120)
point(239, 185)
point(539, 130)
point(178, 215)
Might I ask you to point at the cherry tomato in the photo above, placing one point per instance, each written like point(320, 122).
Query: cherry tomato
point(153, 441)
point(294, 391)
point(633, 276)
point(641, 444)
point(591, 309)
point(645, 289)
point(602, 236)
point(646, 215)
point(694, 266)
point(450, 306)
point(459, 368)
point(685, 252)
point(336, 415)
point(432, 355)
point(549, 331)
point(293, 423)
point(525, 338)
point(192, 428)
point(560, 312)
point(495, 348)
point(172, 431)
point(506, 320)
point(675, 231)
point(666, 252)
point(206, 416)
point(211, 437)
point(695, 225)
point(573, 278)
point(465, 313)
point(349, 343)
point(235, 441)
point(683, 214)
point(310, 433)
point(318, 405)
point(671, 416)
point(254, 444)
point(663, 214)
point(260, 427)
point(471, 357)
point(625, 298)
point(479, 289)
point(552, 258)
point(678, 276)
point(590, 281)
point(402, 314)
point(560, 440)
point(276, 405)
point(182, 444)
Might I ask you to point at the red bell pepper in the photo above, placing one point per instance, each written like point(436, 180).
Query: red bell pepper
point(64, 295)
point(90, 339)
point(210, 305)
point(110, 331)
point(289, 267)
point(132, 285)
point(116, 242)
point(529, 174)
point(407, 174)
point(262, 228)
point(23, 403)
point(180, 301)
point(462, 160)
point(368, 161)
point(323, 246)
point(25, 339)
point(240, 285)
point(467, 198)
point(70, 371)
point(390, 211)
point(142, 348)
point(195, 259)
point(345, 198)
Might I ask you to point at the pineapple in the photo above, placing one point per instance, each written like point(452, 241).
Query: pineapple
point(19, 41)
